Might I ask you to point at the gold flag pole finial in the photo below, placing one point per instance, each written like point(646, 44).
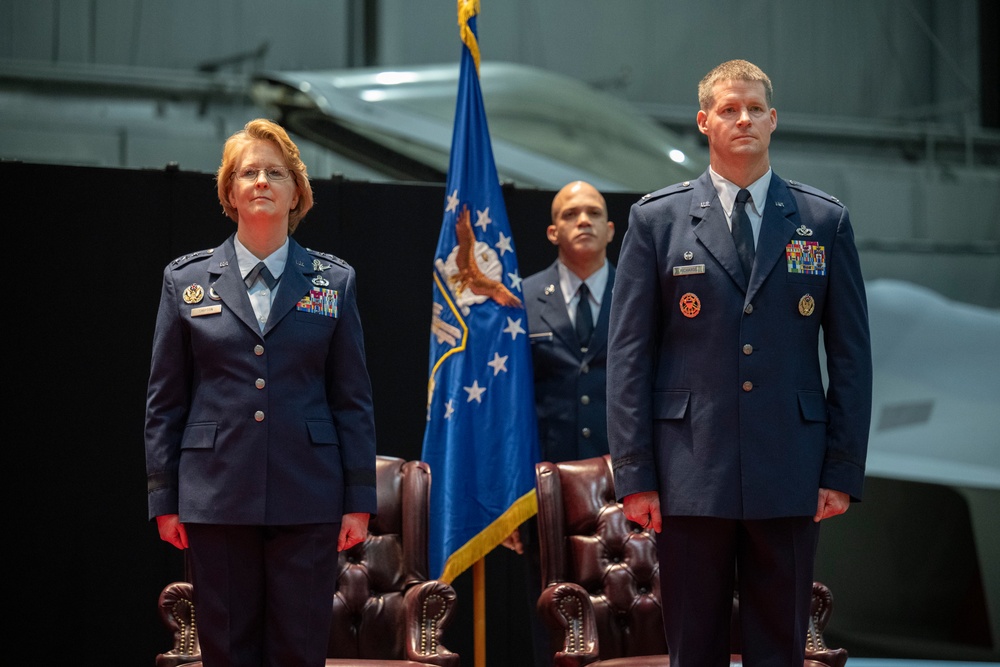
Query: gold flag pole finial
point(466, 10)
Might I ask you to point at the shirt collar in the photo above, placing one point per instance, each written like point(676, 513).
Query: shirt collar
point(275, 262)
point(727, 191)
point(569, 282)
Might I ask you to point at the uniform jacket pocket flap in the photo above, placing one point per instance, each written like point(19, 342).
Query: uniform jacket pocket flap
point(322, 432)
point(199, 436)
point(670, 404)
point(813, 406)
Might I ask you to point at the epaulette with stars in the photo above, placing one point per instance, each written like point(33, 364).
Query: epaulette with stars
point(816, 192)
point(327, 256)
point(184, 259)
point(683, 186)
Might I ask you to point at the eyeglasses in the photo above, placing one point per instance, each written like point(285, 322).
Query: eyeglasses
point(272, 173)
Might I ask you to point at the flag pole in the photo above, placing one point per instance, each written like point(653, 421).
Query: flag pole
point(466, 10)
point(479, 610)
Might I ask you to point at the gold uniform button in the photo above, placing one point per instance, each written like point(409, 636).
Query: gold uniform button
point(258, 350)
point(585, 368)
point(748, 309)
point(585, 399)
point(748, 349)
point(585, 432)
point(259, 383)
point(259, 415)
point(747, 386)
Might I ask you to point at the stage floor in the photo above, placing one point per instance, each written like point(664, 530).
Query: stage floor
point(889, 662)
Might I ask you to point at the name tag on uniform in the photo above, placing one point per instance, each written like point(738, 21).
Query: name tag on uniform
point(545, 335)
point(689, 270)
point(206, 310)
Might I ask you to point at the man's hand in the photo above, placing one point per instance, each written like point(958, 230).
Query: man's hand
point(513, 542)
point(172, 530)
point(353, 529)
point(831, 503)
point(644, 509)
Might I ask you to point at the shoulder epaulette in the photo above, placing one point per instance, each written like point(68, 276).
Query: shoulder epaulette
point(816, 192)
point(663, 192)
point(184, 259)
point(327, 256)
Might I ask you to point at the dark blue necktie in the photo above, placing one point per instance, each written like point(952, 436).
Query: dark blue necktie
point(584, 318)
point(743, 232)
point(265, 275)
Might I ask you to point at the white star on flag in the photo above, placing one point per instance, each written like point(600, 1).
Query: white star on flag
point(515, 280)
point(504, 244)
point(475, 392)
point(498, 364)
point(452, 202)
point(513, 328)
point(449, 409)
point(483, 218)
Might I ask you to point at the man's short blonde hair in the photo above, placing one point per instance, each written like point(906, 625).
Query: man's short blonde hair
point(732, 70)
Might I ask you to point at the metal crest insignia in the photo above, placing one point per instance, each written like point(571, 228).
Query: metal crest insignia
point(194, 293)
point(806, 305)
point(690, 305)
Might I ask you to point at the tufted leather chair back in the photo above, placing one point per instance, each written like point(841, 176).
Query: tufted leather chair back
point(368, 608)
point(586, 539)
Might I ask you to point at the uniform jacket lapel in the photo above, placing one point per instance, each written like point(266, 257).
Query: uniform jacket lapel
point(228, 284)
point(711, 228)
point(294, 284)
point(600, 339)
point(553, 310)
point(780, 220)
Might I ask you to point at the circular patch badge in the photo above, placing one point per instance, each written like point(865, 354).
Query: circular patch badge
point(806, 305)
point(194, 293)
point(690, 305)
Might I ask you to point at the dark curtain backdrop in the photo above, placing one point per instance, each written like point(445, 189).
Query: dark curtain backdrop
point(84, 565)
point(89, 249)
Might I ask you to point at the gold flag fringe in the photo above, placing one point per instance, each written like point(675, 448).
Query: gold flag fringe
point(466, 10)
point(494, 534)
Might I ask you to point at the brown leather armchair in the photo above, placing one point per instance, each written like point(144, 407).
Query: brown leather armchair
point(600, 577)
point(385, 610)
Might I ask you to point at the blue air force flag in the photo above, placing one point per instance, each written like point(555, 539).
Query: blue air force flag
point(481, 439)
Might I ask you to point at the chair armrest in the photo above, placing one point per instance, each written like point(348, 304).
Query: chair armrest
point(816, 648)
point(430, 606)
point(177, 612)
point(567, 611)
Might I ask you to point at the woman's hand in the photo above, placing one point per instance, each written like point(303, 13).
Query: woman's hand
point(353, 529)
point(172, 530)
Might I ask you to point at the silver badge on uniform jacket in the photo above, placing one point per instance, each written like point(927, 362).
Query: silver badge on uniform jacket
point(320, 281)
